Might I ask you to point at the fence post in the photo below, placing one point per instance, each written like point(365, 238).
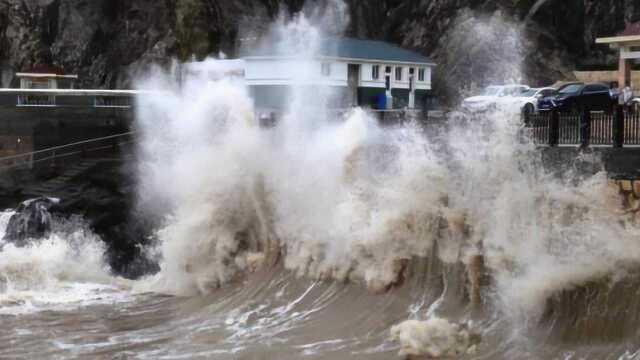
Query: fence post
point(554, 128)
point(618, 127)
point(526, 118)
point(585, 128)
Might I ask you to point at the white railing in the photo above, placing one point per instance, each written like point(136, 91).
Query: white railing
point(96, 98)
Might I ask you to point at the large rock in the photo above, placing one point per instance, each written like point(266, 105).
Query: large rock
point(31, 222)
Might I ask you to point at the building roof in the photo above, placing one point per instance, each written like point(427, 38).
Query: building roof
point(350, 48)
point(45, 69)
point(632, 29)
point(630, 36)
point(45, 76)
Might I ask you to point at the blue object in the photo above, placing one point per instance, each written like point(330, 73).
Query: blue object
point(381, 101)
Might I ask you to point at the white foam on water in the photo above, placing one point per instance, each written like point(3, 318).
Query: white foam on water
point(58, 272)
point(434, 338)
point(5, 216)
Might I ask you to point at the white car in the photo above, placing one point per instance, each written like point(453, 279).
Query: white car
point(528, 100)
point(634, 105)
point(491, 96)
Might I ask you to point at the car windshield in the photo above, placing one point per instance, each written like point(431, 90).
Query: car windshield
point(491, 91)
point(570, 89)
point(529, 93)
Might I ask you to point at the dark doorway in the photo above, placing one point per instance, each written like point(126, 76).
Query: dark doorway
point(353, 83)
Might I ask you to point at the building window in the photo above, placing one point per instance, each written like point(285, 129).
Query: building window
point(326, 69)
point(387, 69)
point(421, 74)
point(375, 72)
point(398, 74)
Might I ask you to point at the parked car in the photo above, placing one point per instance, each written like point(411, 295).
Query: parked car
point(529, 100)
point(491, 96)
point(578, 96)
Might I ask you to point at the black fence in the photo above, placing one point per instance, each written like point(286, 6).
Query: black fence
point(618, 129)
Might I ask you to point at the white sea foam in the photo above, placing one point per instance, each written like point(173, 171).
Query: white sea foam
point(5, 216)
point(434, 338)
point(65, 269)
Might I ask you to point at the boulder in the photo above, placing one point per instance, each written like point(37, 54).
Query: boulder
point(31, 221)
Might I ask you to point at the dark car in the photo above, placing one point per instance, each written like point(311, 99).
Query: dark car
point(576, 97)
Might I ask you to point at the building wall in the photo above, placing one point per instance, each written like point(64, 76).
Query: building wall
point(367, 80)
point(262, 71)
point(369, 97)
point(608, 77)
point(278, 97)
point(24, 129)
point(286, 71)
point(269, 81)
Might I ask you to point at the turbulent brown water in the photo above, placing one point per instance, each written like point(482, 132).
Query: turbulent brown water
point(331, 237)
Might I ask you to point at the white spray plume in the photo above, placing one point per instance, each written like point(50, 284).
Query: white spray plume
point(350, 200)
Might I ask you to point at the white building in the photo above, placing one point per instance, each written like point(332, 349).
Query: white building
point(364, 72)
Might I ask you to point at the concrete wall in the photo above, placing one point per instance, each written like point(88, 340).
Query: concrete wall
point(284, 71)
point(608, 76)
point(619, 163)
point(278, 97)
point(26, 129)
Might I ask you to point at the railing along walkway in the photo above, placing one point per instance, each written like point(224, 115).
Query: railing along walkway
point(60, 153)
point(96, 98)
point(551, 128)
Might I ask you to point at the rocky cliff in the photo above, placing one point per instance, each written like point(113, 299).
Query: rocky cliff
point(107, 42)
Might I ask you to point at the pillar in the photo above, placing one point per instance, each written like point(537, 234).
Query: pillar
point(388, 92)
point(412, 89)
point(624, 70)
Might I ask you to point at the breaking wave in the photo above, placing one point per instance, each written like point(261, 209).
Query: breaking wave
point(329, 235)
point(337, 197)
point(65, 269)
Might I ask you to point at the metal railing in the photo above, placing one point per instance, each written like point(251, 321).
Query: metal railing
point(72, 97)
point(537, 126)
point(36, 100)
point(617, 129)
point(59, 154)
point(569, 129)
point(632, 129)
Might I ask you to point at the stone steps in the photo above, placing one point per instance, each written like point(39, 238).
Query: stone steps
point(53, 187)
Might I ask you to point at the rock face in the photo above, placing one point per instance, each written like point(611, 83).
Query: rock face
point(31, 220)
point(107, 42)
point(102, 198)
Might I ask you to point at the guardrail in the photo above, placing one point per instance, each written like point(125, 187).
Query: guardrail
point(70, 98)
point(551, 128)
point(59, 154)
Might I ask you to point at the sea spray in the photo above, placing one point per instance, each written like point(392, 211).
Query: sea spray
point(339, 197)
point(344, 199)
point(209, 135)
